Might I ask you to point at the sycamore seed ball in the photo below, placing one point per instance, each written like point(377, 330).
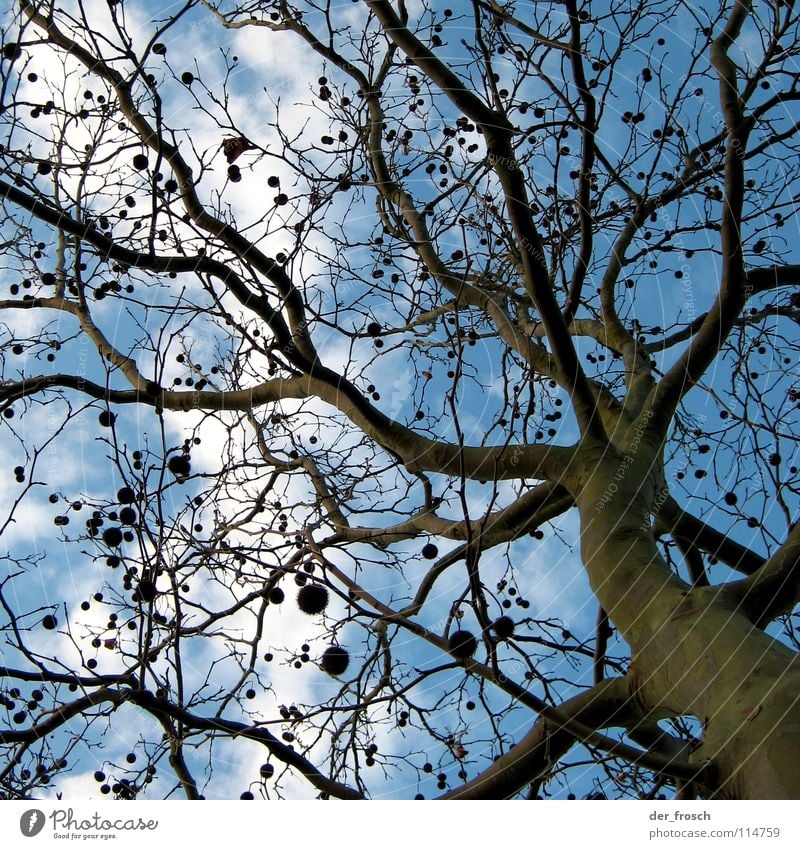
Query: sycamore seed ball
point(112, 536)
point(312, 599)
point(126, 495)
point(504, 627)
point(335, 661)
point(179, 465)
point(462, 644)
point(147, 590)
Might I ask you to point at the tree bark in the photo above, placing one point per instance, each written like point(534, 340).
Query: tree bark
point(695, 651)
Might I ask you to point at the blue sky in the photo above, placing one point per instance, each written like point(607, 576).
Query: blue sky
point(273, 80)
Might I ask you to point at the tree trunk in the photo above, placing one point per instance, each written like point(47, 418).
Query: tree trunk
point(694, 652)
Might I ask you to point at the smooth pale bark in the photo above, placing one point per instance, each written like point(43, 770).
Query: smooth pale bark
point(695, 651)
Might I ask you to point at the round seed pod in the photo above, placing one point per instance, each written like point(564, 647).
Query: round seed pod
point(126, 495)
point(312, 599)
point(335, 661)
point(179, 465)
point(430, 551)
point(462, 644)
point(12, 51)
point(127, 516)
point(503, 627)
point(147, 590)
point(112, 536)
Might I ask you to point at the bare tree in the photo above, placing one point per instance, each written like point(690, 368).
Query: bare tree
point(408, 406)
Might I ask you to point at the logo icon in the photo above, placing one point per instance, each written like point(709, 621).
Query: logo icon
point(31, 822)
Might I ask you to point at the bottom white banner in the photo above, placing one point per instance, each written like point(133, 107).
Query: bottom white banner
point(402, 824)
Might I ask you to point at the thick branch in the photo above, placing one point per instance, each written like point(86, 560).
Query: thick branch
point(673, 520)
point(732, 293)
point(775, 588)
point(609, 703)
point(559, 720)
point(498, 134)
